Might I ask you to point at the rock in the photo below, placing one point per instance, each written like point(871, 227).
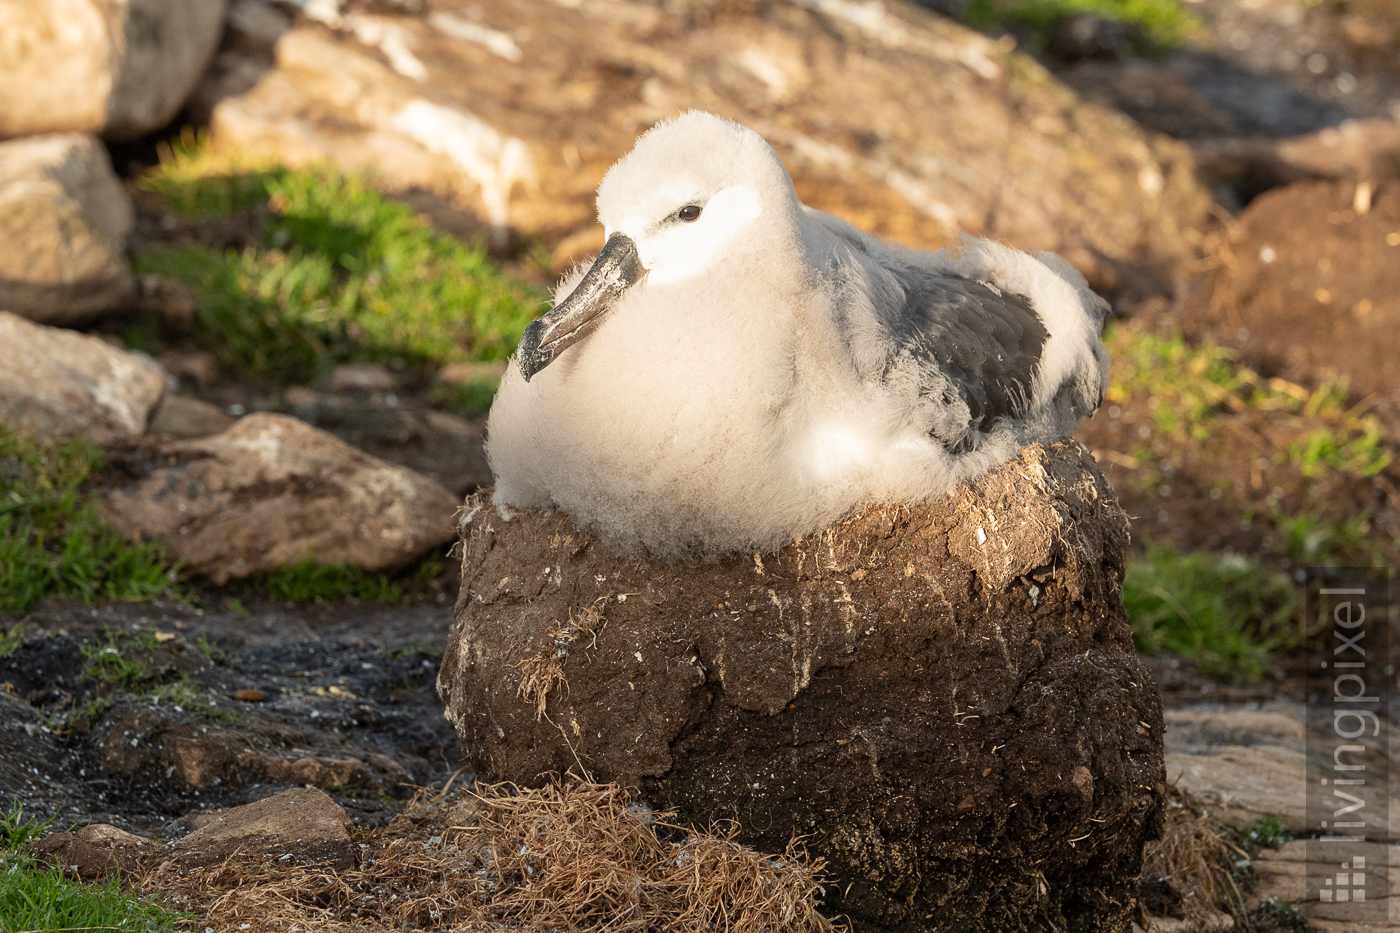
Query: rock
point(254, 26)
point(97, 850)
point(199, 367)
point(64, 219)
point(1078, 37)
point(169, 299)
point(1242, 784)
point(162, 752)
point(1283, 873)
point(1248, 763)
point(1358, 150)
point(303, 822)
point(1307, 306)
point(58, 381)
point(271, 491)
point(166, 755)
point(183, 418)
point(512, 111)
point(120, 68)
point(943, 700)
point(443, 447)
point(361, 377)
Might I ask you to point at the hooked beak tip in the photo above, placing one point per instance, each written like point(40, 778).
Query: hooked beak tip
point(528, 355)
point(615, 270)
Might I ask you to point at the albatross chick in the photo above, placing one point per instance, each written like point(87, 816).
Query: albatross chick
point(736, 369)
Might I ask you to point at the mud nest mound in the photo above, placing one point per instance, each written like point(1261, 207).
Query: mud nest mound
point(943, 699)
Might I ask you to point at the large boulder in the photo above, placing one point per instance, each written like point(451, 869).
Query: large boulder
point(272, 491)
point(115, 67)
point(60, 382)
point(943, 699)
point(900, 120)
point(64, 219)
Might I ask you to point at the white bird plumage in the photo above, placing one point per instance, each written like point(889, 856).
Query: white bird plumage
point(735, 379)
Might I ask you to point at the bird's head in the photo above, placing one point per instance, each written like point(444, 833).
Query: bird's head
point(693, 192)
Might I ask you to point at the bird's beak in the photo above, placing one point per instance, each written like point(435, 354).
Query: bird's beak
point(616, 269)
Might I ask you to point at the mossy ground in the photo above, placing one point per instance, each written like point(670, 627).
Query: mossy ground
point(332, 272)
point(1162, 24)
point(52, 542)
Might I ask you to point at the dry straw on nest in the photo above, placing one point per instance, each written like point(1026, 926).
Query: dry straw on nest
point(567, 857)
point(540, 673)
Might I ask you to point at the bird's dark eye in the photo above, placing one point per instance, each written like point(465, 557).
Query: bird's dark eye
point(689, 213)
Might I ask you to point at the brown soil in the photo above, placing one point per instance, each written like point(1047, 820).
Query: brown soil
point(1309, 287)
point(347, 704)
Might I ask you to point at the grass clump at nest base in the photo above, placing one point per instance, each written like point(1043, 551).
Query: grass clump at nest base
point(570, 856)
point(52, 541)
point(310, 582)
point(337, 273)
point(1225, 612)
point(35, 897)
point(1163, 24)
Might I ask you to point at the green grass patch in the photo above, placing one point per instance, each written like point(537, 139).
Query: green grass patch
point(1313, 539)
point(40, 898)
point(1268, 831)
point(79, 716)
point(1358, 453)
point(52, 542)
point(35, 898)
point(339, 274)
point(17, 830)
point(186, 696)
point(309, 581)
point(1228, 614)
point(11, 639)
point(1164, 24)
point(107, 664)
point(1189, 386)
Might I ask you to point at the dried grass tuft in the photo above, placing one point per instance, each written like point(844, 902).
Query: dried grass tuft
point(571, 857)
point(538, 676)
point(722, 885)
point(585, 623)
point(1194, 856)
point(541, 673)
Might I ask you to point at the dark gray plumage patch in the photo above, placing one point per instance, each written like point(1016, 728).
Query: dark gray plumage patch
point(985, 342)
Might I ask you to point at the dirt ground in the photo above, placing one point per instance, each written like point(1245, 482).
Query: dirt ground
point(139, 714)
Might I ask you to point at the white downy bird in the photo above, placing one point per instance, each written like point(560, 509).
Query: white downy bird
point(737, 369)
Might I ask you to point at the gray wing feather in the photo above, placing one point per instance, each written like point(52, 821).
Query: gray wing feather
point(978, 341)
point(969, 339)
